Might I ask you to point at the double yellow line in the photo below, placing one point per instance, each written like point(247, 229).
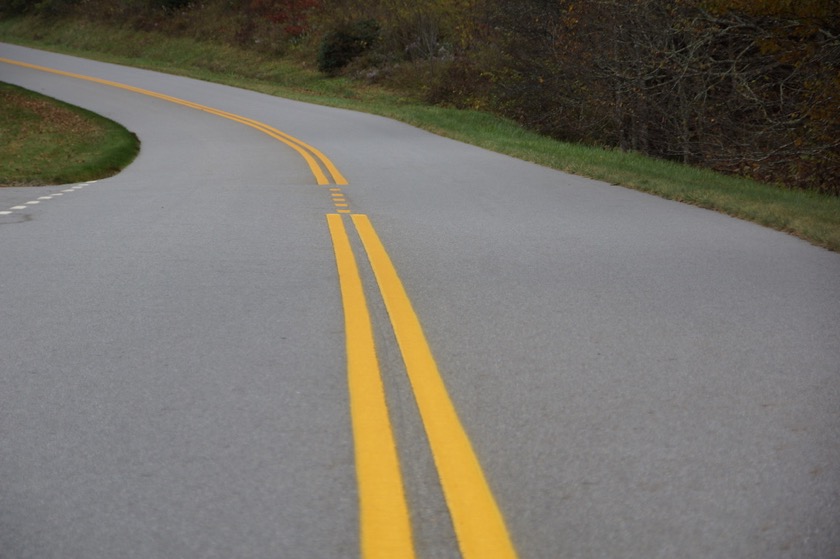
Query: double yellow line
point(313, 157)
point(385, 522)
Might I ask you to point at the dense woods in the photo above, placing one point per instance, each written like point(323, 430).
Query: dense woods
point(743, 86)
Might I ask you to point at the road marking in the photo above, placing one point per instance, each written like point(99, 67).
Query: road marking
point(41, 198)
point(309, 153)
point(340, 201)
point(479, 525)
point(385, 523)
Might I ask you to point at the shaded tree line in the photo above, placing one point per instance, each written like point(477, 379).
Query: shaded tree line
point(749, 87)
point(742, 86)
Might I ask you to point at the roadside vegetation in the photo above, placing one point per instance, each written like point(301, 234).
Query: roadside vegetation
point(46, 142)
point(664, 109)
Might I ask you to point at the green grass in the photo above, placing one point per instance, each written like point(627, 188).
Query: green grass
point(811, 216)
point(44, 141)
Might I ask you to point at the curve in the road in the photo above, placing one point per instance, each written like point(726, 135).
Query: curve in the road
point(385, 523)
point(309, 153)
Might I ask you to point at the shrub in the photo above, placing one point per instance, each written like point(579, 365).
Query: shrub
point(340, 46)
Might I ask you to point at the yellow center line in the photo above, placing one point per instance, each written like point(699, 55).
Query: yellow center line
point(479, 525)
point(385, 524)
point(384, 519)
point(306, 151)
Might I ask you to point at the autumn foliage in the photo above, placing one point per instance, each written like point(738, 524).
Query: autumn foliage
point(749, 87)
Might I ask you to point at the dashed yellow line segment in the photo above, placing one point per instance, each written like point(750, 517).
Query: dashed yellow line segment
point(339, 201)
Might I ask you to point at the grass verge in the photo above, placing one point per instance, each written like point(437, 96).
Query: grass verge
point(811, 216)
point(44, 141)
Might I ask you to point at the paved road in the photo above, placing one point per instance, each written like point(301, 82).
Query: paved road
point(633, 377)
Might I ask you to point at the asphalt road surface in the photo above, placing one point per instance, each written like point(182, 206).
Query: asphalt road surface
point(439, 351)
